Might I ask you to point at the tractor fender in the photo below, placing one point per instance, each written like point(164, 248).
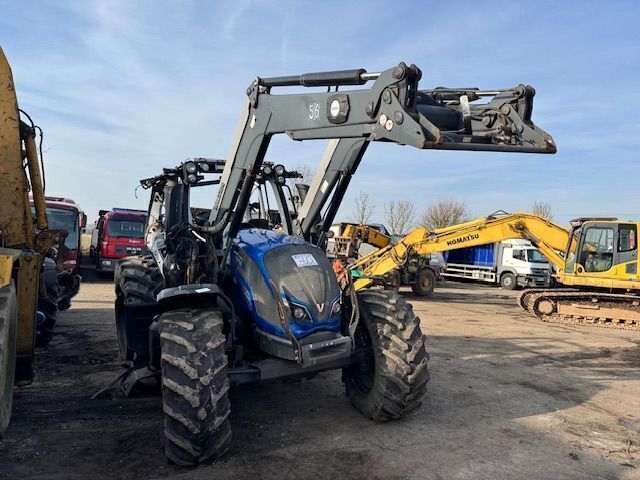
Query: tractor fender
point(198, 295)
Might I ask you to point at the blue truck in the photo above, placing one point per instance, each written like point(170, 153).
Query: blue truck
point(510, 263)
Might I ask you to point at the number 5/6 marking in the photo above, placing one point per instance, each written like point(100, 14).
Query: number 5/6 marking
point(314, 111)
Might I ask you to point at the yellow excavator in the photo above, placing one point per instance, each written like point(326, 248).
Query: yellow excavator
point(596, 262)
point(22, 250)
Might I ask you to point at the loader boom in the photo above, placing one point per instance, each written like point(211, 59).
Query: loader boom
point(549, 238)
point(393, 109)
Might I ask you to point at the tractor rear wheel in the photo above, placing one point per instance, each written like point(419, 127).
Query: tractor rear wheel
point(138, 280)
point(194, 386)
point(8, 329)
point(390, 379)
point(425, 282)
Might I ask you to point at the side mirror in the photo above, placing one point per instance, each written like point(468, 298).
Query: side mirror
point(83, 220)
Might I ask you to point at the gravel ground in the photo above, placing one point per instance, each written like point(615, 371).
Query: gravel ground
point(510, 397)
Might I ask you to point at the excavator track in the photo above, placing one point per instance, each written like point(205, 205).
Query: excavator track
point(573, 307)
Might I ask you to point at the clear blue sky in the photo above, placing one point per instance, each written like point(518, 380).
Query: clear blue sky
point(123, 88)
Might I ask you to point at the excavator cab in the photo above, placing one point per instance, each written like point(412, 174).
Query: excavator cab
point(603, 246)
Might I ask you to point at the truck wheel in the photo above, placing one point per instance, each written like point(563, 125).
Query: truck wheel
point(393, 281)
point(47, 303)
point(194, 386)
point(8, 329)
point(425, 282)
point(138, 280)
point(390, 379)
point(508, 281)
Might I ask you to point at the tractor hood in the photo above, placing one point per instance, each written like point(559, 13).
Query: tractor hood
point(272, 266)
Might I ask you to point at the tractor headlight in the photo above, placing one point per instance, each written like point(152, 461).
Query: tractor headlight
point(298, 312)
point(267, 170)
point(191, 178)
point(281, 180)
point(279, 169)
point(190, 167)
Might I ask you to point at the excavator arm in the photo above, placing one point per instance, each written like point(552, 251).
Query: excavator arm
point(347, 243)
point(393, 109)
point(549, 238)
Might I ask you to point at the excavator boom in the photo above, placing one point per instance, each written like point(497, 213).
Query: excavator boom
point(550, 238)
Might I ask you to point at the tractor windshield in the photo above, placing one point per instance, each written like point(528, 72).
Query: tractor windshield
point(120, 228)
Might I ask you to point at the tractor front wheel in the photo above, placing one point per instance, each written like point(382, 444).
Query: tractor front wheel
point(194, 386)
point(390, 377)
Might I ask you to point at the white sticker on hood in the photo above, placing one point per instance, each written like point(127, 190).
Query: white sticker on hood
point(304, 260)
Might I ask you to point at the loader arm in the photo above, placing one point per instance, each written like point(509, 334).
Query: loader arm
point(549, 238)
point(504, 122)
point(347, 243)
point(393, 109)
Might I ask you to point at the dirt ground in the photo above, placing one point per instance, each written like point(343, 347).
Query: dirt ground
point(510, 397)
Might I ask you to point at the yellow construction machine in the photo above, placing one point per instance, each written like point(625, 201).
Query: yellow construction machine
point(596, 262)
point(21, 249)
point(417, 270)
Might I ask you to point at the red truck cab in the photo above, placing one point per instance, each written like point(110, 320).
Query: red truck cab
point(65, 214)
point(117, 233)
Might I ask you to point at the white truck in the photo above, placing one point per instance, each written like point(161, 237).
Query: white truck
point(510, 263)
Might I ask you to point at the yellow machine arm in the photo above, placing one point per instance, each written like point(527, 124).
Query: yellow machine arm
point(551, 240)
point(347, 243)
point(16, 221)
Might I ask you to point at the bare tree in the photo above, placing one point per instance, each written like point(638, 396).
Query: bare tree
point(542, 209)
point(363, 209)
point(444, 214)
point(399, 216)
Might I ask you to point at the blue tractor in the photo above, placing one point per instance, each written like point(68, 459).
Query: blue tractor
point(277, 312)
point(243, 292)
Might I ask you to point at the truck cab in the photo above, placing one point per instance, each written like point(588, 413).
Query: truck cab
point(65, 214)
point(525, 262)
point(117, 233)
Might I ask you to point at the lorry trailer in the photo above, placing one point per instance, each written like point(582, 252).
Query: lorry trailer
point(510, 263)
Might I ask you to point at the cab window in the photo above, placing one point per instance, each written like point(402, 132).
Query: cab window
point(627, 238)
point(597, 249)
point(519, 254)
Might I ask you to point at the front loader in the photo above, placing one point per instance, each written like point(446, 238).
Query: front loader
point(28, 281)
point(226, 299)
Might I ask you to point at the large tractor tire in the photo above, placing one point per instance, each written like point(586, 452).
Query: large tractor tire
point(138, 281)
point(391, 380)
point(194, 386)
point(8, 329)
point(47, 303)
point(425, 282)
